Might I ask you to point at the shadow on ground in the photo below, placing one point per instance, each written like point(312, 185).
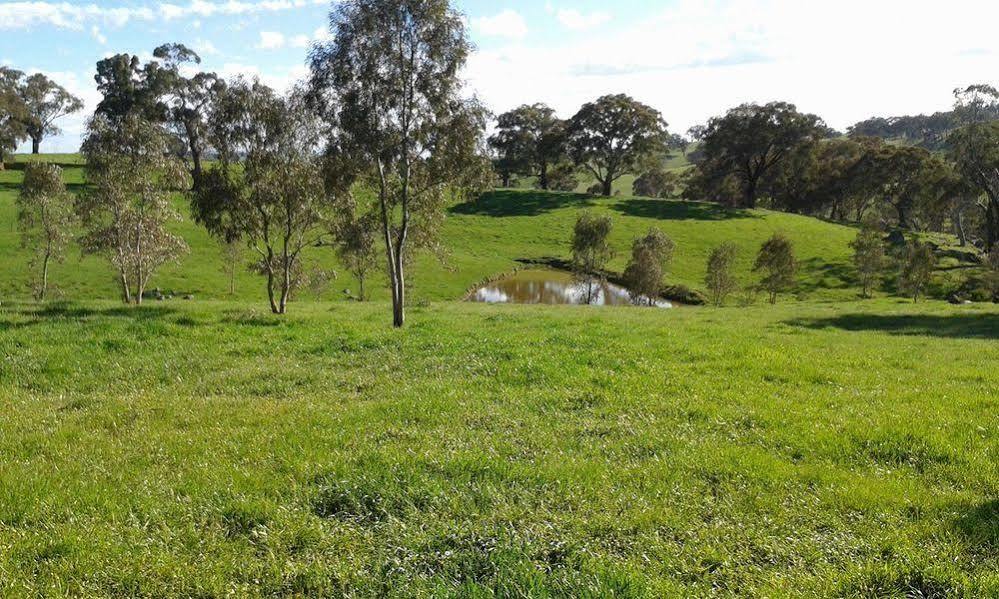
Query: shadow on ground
point(67, 311)
point(980, 525)
point(962, 326)
point(502, 203)
point(677, 210)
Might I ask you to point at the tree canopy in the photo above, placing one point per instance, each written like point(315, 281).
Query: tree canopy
point(613, 136)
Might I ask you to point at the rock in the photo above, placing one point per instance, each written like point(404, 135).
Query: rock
point(188, 297)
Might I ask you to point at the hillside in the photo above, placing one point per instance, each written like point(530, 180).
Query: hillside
point(483, 238)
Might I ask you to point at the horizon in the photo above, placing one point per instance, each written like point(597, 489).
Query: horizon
point(689, 60)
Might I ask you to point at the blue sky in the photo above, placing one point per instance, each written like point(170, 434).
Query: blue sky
point(844, 60)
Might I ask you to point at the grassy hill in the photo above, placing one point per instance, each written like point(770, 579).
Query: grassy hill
point(206, 448)
point(483, 238)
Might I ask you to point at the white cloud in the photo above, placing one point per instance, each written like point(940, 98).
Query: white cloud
point(27, 14)
point(509, 24)
point(696, 58)
point(571, 18)
point(322, 34)
point(271, 40)
point(96, 32)
point(205, 48)
point(299, 41)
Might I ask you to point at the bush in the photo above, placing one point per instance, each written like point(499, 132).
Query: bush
point(563, 178)
point(720, 280)
point(649, 257)
point(916, 265)
point(685, 295)
point(595, 190)
point(656, 183)
point(776, 261)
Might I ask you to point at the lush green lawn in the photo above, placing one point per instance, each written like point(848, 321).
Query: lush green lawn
point(207, 449)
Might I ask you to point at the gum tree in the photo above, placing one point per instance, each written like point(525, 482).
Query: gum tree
point(45, 102)
point(132, 174)
point(389, 86)
point(45, 219)
point(614, 136)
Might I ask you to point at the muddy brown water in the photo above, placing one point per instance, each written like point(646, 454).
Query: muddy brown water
point(539, 286)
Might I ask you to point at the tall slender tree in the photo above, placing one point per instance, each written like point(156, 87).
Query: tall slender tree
point(389, 84)
point(44, 218)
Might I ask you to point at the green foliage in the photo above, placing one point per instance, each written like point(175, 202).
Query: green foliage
point(591, 250)
point(975, 152)
point(45, 219)
point(45, 102)
point(777, 264)
point(869, 256)
point(530, 141)
point(13, 112)
point(747, 144)
point(650, 256)
point(657, 183)
point(916, 265)
point(720, 279)
point(562, 177)
point(125, 212)
point(389, 79)
point(613, 136)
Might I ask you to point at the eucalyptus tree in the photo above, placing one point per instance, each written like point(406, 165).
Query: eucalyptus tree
point(777, 264)
point(267, 189)
point(13, 112)
point(748, 143)
point(869, 256)
point(531, 139)
point(131, 175)
point(389, 84)
point(45, 102)
point(720, 277)
point(615, 136)
point(45, 219)
point(591, 251)
point(975, 152)
point(650, 257)
point(188, 99)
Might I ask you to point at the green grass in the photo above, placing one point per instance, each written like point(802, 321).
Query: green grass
point(207, 449)
point(483, 238)
point(826, 447)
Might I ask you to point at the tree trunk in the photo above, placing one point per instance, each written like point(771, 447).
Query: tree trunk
point(360, 282)
point(398, 292)
point(126, 293)
point(749, 197)
point(36, 145)
point(543, 178)
point(992, 224)
point(45, 277)
point(958, 218)
point(270, 292)
point(285, 287)
point(608, 185)
point(196, 171)
point(505, 179)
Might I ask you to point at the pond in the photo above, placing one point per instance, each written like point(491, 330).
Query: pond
point(538, 286)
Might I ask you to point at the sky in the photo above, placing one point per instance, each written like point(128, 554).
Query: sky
point(845, 60)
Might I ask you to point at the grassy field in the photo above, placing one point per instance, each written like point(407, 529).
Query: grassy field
point(483, 238)
point(825, 446)
point(206, 449)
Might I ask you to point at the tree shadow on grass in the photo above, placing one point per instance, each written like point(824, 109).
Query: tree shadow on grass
point(980, 525)
point(827, 275)
point(679, 210)
point(69, 312)
point(502, 203)
point(959, 326)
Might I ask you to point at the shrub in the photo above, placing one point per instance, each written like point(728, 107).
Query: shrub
point(649, 257)
point(868, 257)
point(720, 278)
point(916, 266)
point(656, 183)
point(776, 261)
point(563, 178)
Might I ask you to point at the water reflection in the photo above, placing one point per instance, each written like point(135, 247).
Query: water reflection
point(552, 287)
